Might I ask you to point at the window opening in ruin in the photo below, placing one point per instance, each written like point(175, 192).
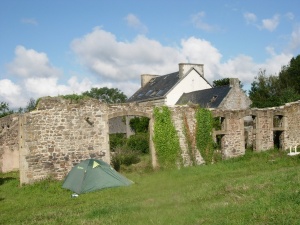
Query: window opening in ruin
point(278, 121)
point(254, 122)
point(218, 143)
point(219, 123)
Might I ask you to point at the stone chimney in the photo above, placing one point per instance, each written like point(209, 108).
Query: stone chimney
point(234, 82)
point(145, 78)
point(185, 67)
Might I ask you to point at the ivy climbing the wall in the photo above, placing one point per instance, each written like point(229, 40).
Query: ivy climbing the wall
point(190, 140)
point(204, 134)
point(165, 139)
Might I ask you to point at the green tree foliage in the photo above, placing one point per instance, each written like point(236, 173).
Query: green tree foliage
point(289, 75)
point(221, 82)
point(139, 124)
point(4, 109)
point(264, 89)
point(108, 95)
point(269, 91)
point(224, 82)
point(31, 105)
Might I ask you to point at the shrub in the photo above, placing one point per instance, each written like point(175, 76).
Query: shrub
point(116, 141)
point(139, 124)
point(139, 143)
point(124, 157)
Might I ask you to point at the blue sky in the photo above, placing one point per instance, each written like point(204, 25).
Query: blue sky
point(51, 48)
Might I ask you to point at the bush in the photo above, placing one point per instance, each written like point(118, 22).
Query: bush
point(139, 143)
point(116, 141)
point(124, 157)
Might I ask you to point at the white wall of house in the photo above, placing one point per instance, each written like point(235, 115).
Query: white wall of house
point(191, 82)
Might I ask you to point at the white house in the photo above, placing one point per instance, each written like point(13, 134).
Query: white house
point(167, 89)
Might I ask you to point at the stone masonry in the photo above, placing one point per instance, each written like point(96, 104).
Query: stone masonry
point(60, 133)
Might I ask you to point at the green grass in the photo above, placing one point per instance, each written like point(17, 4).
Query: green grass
point(258, 188)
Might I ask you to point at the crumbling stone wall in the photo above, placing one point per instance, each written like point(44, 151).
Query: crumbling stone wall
point(9, 146)
point(291, 125)
point(185, 123)
point(232, 132)
point(263, 120)
point(61, 133)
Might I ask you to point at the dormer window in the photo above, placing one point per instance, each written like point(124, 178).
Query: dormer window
point(213, 98)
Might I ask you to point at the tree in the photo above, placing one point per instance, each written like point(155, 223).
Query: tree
point(108, 95)
point(30, 105)
point(263, 92)
point(4, 109)
point(221, 82)
point(224, 82)
point(269, 91)
point(289, 75)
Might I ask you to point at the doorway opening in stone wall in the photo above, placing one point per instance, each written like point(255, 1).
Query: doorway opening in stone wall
point(277, 139)
point(129, 143)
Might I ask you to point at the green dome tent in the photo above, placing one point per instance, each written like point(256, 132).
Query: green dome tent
point(92, 174)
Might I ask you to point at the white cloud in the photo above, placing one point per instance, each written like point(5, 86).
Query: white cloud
point(266, 24)
point(118, 64)
point(29, 21)
point(197, 20)
point(134, 22)
point(30, 63)
point(294, 44)
point(196, 50)
point(250, 17)
point(271, 24)
point(11, 93)
point(274, 64)
point(290, 16)
point(113, 60)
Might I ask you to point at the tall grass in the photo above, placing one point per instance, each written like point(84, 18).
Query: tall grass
point(258, 188)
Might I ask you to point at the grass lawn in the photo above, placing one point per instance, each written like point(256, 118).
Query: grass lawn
point(258, 188)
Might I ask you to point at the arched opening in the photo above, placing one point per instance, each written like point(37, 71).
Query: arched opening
point(130, 141)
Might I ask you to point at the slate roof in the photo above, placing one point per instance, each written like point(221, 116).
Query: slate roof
point(210, 98)
point(157, 87)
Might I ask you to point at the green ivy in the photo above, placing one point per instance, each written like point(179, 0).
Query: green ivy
point(190, 139)
point(204, 134)
point(165, 138)
point(75, 98)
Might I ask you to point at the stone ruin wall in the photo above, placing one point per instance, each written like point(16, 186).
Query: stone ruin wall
point(58, 135)
point(263, 131)
point(232, 133)
point(292, 125)
point(61, 133)
point(9, 146)
point(183, 118)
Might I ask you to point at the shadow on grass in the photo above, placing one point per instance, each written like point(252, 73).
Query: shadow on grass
point(5, 179)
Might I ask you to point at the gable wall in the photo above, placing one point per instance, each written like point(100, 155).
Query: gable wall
point(191, 82)
point(236, 99)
